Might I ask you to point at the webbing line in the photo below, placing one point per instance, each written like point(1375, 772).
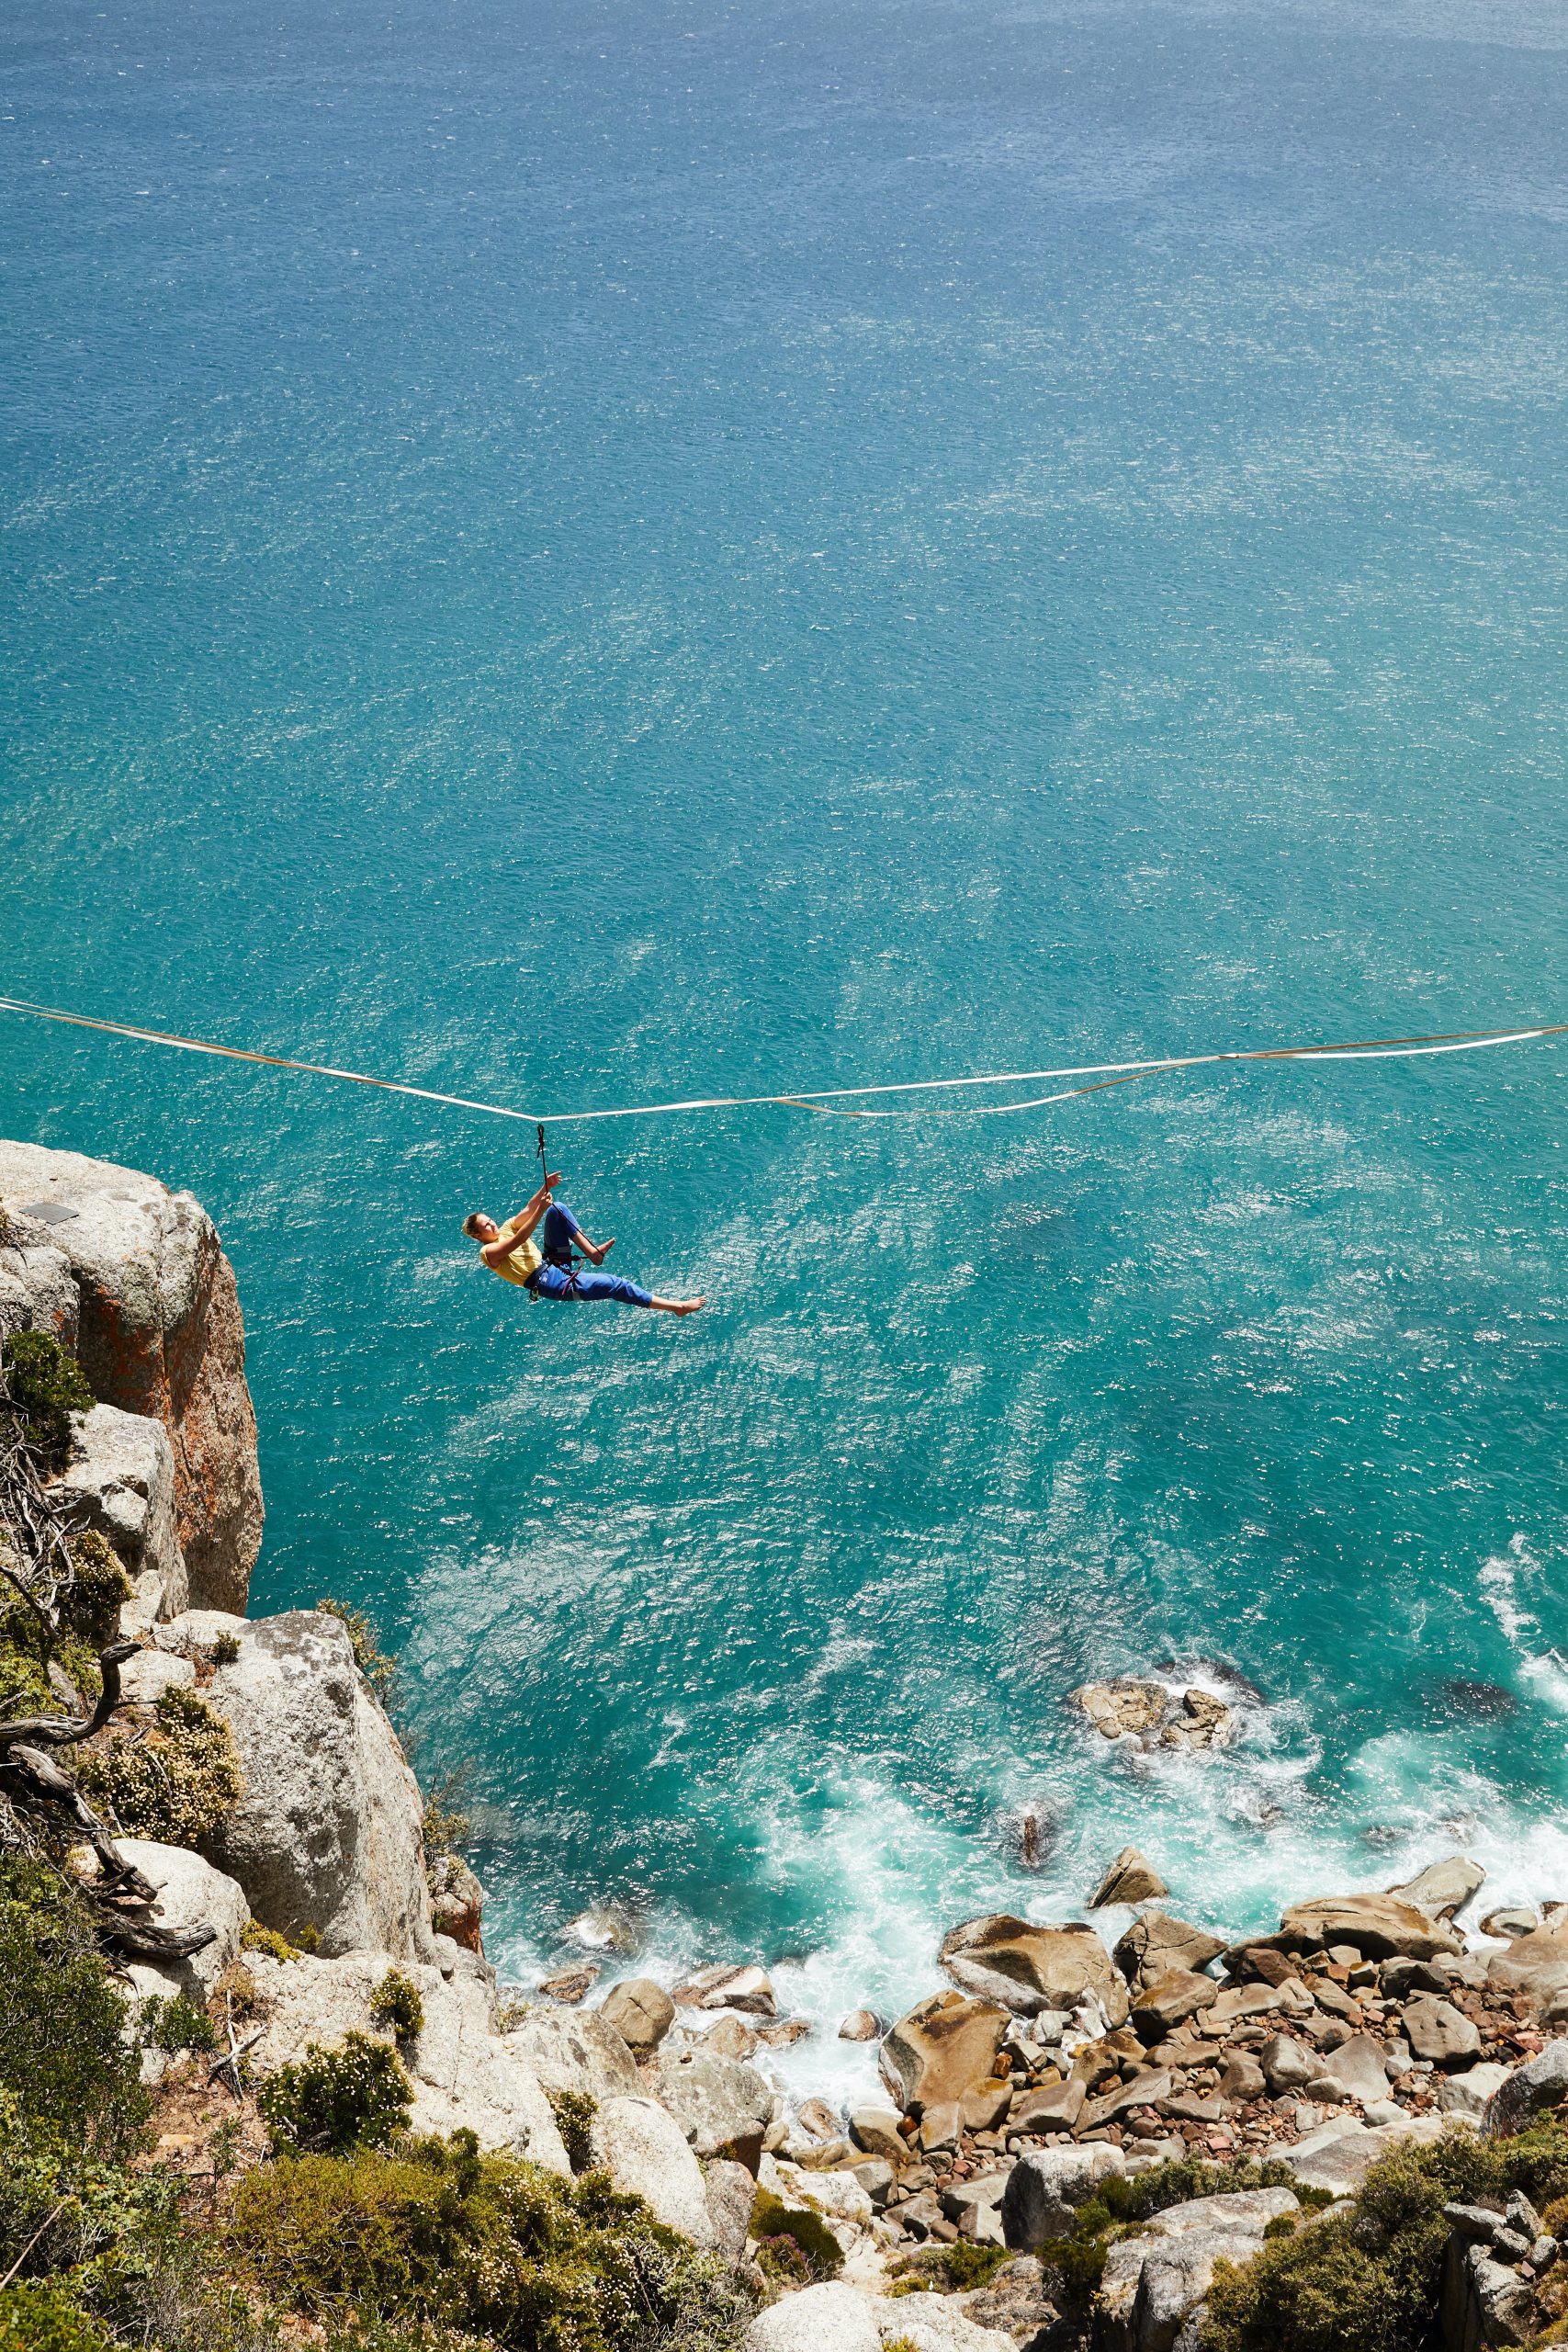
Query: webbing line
point(835, 1101)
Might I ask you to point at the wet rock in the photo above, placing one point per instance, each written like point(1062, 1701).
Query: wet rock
point(731, 2037)
point(734, 1985)
point(944, 2047)
point(1534, 2088)
point(1156, 1943)
point(860, 2025)
point(1133, 1708)
point(1045, 2188)
point(1436, 2030)
point(120, 1482)
point(603, 1929)
point(1129, 1879)
point(158, 1333)
point(1442, 1888)
point(1512, 1921)
point(723, 2105)
point(645, 2152)
point(641, 2012)
point(1030, 1968)
point(1203, 1722)
point(1380, 1926)
point(329, 1832)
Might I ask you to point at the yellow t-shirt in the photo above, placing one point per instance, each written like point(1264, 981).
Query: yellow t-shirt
point(525, 1259)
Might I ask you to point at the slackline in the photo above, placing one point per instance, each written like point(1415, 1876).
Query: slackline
point(839, 1101)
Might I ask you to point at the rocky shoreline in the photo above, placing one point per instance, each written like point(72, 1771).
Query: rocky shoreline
point(1047, 2060)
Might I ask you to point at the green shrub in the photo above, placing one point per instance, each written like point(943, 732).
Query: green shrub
point(434, 2233)
point(963, 2265)
point(332, 2100)
point(574, 2112)
point(1369, 2280)
point(377, 1665)
point(807, 2240)
point(225, 1649)
point(253, 1937)
point(446, 1824)
point(41, 2316)
point(177, 2024)
point(99, 1587)
point(396, 2007)
point(62, 2051)
point(307, 1939)
point(45, 1386)
point(175, 1784)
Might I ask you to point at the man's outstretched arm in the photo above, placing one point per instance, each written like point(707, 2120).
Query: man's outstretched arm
point(496, 1252)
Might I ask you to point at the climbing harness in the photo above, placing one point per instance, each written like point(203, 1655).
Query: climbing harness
point(840, 1102)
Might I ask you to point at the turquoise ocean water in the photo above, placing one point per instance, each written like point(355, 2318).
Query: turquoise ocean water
point(580, 554)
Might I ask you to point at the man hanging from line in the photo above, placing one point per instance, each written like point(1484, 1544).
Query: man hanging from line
point(544, 1268)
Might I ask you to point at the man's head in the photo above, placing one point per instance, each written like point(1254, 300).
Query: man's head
point(479, 1227)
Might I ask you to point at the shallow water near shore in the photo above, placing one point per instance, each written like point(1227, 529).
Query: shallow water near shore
point(618, 553)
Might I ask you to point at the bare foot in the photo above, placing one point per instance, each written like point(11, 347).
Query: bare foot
point(602, 1252)
point(689, 1306)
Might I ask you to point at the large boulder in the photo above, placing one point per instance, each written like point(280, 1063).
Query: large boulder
point(1045, 2188)
point(1339, 2153)
point(644, 2151)
point(1536, 2088)
point(1380, 1926)
point(1156, 1943)
point(834, 2317)
point(159, 1333)
point(329, 1833)
point(1131, 1878)
point(1443, 1888)
point(1029, 1968)
point(191, 1894)
point(734, 1984)
point(462, 2076)
point(641, 2012)
point(1154, 2282)
point(944, 2046)
point(1536, 1964)
point(1466, 2095)
point(723, 2105)
point(575, 2050)
point(1436, 2030)
point(121, 1482)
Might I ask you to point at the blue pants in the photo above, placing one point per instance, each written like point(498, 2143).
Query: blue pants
point(558, 1231)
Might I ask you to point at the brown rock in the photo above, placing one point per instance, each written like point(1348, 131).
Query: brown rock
point(860, 2025)
point(1203, 1722)
point(159, 1332)
point(1146, 2088)
point(1535, 1966)
point(1261, 1961)
point(1379, 1925)
point(1057, 2108)
point(732, 2038)
point(1122, 1707)
point(1030, 1968)
point(1436, 2030)
point(641, 2012)
point(945, 2046)
point(1156, 1943)
point(984, 2108)
point(732, 1985)
point(782, 2033)
point(1241, 2079)
point(1129, 1879)
point(1169, 2001)
point(573, 1986)
point(457, 1909)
